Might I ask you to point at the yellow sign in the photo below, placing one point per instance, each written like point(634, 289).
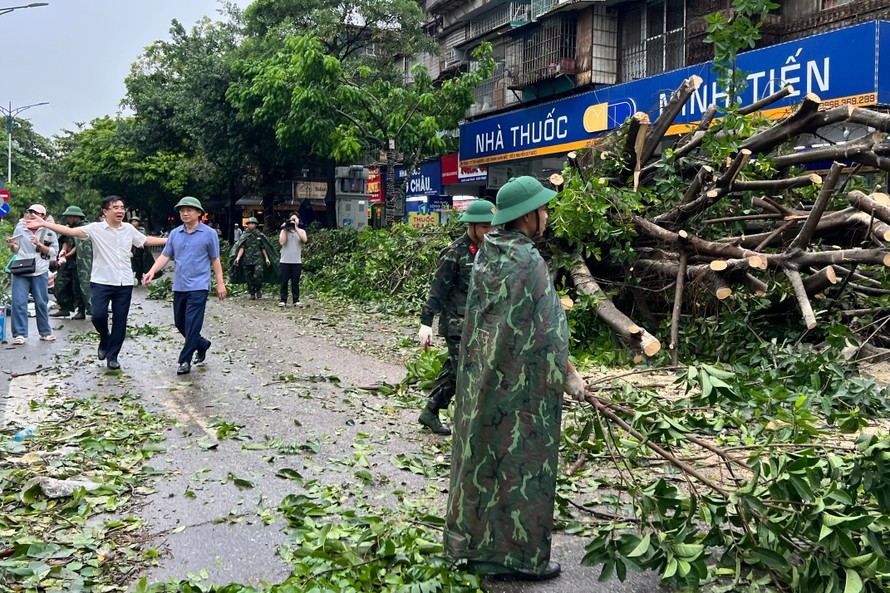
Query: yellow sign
point(418, 220)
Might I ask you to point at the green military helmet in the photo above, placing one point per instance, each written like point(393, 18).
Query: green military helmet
point(253, 220)
point(74, 211)
point(478, 211)
point(189, 201)
point(132, 218)
point(519, 196)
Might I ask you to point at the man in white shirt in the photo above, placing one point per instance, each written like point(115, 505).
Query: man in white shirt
point(111, 279)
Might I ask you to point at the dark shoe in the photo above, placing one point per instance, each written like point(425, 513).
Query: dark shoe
point(184, 368)
point(113, 365)
point(551, 572)
point(102, 351)
point(252, 297)
point(201, 355)
point(80, 315)
point(430, 419)
point(259, 295)
point(60, 313)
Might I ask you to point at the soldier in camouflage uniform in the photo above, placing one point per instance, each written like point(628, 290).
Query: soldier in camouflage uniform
point(251, 256)
point(68, 287)
point(508, 407)
point(448, 298)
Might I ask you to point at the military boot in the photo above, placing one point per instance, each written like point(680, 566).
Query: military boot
point(430, 419)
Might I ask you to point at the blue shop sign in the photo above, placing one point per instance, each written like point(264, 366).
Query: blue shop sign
point(839, 66)
point(427, 182)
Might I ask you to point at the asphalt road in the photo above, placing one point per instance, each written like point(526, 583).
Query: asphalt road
point(285, 375)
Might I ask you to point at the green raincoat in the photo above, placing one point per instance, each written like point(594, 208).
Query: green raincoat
point(512, 369)
point(236, 273)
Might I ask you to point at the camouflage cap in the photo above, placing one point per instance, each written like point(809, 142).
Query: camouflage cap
point(478, 211)
point(519, 196)
point(74, 211)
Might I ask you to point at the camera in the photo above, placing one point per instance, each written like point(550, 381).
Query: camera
point(46, 243)
point(290, 225)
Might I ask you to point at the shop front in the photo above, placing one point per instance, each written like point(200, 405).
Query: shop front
point(840, 67)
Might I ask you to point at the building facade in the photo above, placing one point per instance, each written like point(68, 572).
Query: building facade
point(568, 70)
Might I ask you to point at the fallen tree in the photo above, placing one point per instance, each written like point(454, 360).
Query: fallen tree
point(732, 213)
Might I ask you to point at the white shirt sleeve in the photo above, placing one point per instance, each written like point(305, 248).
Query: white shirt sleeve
point(138, 238)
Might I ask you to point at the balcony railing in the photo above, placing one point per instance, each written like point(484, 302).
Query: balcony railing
point(512, 12)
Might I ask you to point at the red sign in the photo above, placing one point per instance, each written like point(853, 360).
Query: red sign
point(449, 169)
point(374, 185)
point(4, 193)
point(452, 174)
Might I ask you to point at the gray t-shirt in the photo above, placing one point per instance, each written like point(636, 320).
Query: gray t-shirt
point(292, 250)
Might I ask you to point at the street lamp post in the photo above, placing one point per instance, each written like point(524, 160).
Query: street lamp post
point(10, 114)
point(32, 5)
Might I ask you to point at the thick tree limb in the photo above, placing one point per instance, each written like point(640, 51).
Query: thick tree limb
point(609, 313)
point(821, 280)
point(668, 114)
point(777, 185)
point(807, 118)
point(839, 152)
point(678, 302)
point(766, 101)
point(869, 205)
point(809, 228)
point(867, 117)
point(803, 301)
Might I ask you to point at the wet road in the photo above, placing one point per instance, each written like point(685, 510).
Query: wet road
point(272, 376)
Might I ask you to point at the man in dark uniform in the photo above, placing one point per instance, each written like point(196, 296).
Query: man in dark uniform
point(251, 256)
point(68, 288)
point(138, 253)
point(448, 298)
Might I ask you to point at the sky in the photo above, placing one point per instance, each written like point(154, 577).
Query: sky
point(75, 54)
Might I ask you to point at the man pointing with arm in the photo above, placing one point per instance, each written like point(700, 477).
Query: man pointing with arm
point(111, 278)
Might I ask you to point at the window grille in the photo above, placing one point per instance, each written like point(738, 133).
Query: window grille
point(652, 39)
point(544, 52)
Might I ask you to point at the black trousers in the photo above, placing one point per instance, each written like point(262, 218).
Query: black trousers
point(446, 382)
point(289, 273)
point(188, 315)
point(120, 297)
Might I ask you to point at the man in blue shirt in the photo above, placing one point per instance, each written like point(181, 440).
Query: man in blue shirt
point(194, 247)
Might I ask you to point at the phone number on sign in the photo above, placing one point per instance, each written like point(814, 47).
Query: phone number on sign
point(866, 99)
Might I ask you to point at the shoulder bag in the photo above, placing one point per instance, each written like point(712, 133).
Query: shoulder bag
point(23, 266)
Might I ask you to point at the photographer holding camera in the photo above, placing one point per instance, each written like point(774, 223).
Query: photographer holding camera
point(290, 268)
point(35, 247)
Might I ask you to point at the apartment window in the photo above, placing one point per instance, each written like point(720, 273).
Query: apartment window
point(652, 38)
point(826, 4)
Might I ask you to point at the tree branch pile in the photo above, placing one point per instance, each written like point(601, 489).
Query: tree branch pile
point(729, 211)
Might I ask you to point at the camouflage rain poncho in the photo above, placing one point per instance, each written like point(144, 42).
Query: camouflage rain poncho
point(514, 351)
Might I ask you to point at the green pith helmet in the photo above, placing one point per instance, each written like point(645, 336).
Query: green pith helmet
point(74, 211)
point(189, 201)
point(136, 218)
point(478, 211)
point(253, 220)
point(520, 196)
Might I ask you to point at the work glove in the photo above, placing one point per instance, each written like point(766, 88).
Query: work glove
point(575, 386)
point(425, 335)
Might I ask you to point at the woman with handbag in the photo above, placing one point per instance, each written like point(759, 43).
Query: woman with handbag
point(33, 247)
